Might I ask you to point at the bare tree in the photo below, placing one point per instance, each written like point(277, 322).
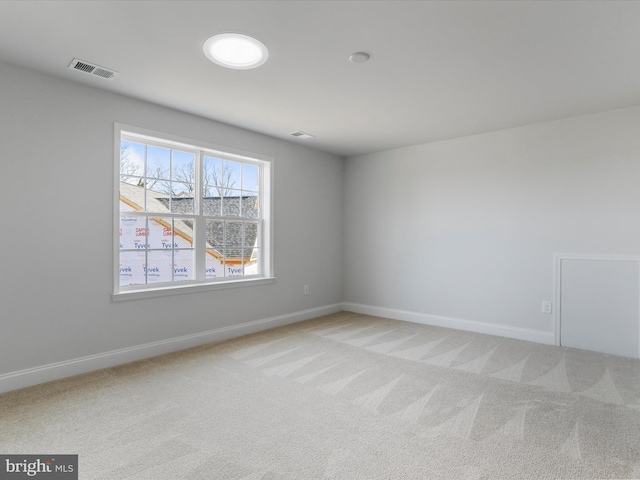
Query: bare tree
point(215, 180)
point(156, 180)
point(132, 173)
point(128, 169)
point(222, 179)
point(186, 176)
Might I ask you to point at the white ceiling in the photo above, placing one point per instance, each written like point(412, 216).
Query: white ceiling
point(437, 70)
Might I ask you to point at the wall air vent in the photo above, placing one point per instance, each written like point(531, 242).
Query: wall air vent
point(302, 135)
point(92, 69)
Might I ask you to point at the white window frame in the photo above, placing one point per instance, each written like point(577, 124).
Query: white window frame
point(200, 283)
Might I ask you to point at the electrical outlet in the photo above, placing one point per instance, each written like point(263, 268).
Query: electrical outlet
point(547, 307)
point(306, 289)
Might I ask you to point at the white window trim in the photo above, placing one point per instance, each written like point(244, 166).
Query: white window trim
point(267, 276)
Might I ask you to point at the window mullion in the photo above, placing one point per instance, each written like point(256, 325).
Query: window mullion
point(144, 176)
point(262, 240)
point(200, 237)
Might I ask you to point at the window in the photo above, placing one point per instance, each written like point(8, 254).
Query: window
point(189, 215)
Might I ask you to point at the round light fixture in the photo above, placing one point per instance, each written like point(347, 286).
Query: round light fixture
point(234, 50)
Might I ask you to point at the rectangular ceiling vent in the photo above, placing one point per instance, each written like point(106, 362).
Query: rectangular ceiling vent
point(302, 135)
point(92, 69)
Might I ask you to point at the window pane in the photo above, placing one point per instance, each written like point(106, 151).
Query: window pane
point(250, 234)
point(231, 175)
point(213, 268)
point(233, 269)
point(161, 233)
point(251, 267)
point(250, 177)
point(182, 198)
point(183, 265)
point(215, 233)
point(131, 160)
point(156, 198)
point(133, 233)
point(183, 232)
point(233, 233)
point(158, 163)
point(183, 167)
point(231, 203)
point(131, 196)
point(159, 266)
point(250, 205)
point(211, 205)
point(132, 268)
point(212, 171)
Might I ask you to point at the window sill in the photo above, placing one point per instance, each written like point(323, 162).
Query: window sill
point(179, 290)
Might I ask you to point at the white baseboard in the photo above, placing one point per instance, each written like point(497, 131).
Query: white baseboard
point(54, 371)
point(538, 336)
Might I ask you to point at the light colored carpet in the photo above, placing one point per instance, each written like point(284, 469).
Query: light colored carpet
point(344, 396)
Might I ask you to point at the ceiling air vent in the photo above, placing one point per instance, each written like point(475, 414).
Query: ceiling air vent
point(302, 135)
point(92, 69)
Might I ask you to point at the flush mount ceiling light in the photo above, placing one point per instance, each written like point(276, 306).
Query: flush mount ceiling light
point(234, 50)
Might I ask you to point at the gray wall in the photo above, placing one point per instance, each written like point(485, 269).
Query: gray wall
point(57, 160)
point(467, 229)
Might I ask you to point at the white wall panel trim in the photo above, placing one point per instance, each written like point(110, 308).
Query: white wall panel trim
point(557, 280)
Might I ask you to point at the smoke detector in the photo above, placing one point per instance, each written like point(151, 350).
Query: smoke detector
point(92, 69)
point(359, 57)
